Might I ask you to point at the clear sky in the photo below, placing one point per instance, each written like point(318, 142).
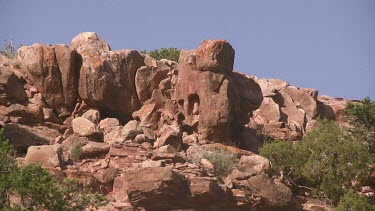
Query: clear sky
point(328, 45)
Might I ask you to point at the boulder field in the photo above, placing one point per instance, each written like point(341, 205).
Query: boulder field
point(142, 125)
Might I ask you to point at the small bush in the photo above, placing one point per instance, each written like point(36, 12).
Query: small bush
point(222, 160)
point(353, 202)
point(164, 53)
point(76, 152)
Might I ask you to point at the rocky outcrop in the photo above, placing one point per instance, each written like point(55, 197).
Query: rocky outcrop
point(107, 78)
point(12, 85)
point(155, 188)
point(212, 102)
point(137, 130)
point(285, 110)
point(53, 69)
point(48, 156)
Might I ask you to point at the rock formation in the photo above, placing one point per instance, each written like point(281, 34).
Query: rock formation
point(143, 125)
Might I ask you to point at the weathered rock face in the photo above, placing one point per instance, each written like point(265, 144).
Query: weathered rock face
point(215, 56)
point(332, 108)
point(276, 193)
point(23, 136)
point(11, 84)
point(155, 188)
point(170, 135)
point(285, 110)
point(147, 80)
point(254, 164)
point(215, 102)
point(107, 77)
point(84, 127)
point(207, 94)
point(54, 70)
point(89, 38)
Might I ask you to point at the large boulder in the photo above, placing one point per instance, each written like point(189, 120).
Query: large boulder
point(147, 79)
point(170, 135)
point(154, 188)
point(48, 156)
point(212, 99)
point(254, 164)
point(305, 98)
point(107, 78)
point(23, 136)
point(250, 95)
point(89, 38)
point(131, 130)
point(95, 149)
point(11, 84)
point(204, 190)
point(275, 193)
point(84, 127)
point(216, 56)
point(53, 69)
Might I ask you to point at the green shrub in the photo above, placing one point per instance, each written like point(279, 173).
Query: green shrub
point(362, 116)
point(38, 190)
point(280, 153)
point(222, 160)
point(353, 202)
point(7, 164)
point(76, 152)
point(164, 53)
point(327, 160)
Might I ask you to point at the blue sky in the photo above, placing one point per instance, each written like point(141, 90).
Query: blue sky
point(328, 45)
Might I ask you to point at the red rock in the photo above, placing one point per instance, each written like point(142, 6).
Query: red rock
point(276, 193)
point(54, 70)
point(89, 38)
point(84, 127)
point(95, 149)
point(155, 188)
point(208, 95)
point(254, 164)
point(23, 136)
point(215, 56)
point(48, 156)
point(170, 135)
point(112, 72)
point(147, 79)
point(13, 85)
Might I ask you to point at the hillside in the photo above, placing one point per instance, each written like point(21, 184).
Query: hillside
point(145, 128)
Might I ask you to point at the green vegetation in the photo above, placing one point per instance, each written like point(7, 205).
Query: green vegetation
point(362, 117)
point(164, 53)
point(222, 160)
point(37, 189)
point(354, 202)
point(76, 152)
point(327, 160)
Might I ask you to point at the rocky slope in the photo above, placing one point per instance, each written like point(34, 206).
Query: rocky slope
point(143, 124)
